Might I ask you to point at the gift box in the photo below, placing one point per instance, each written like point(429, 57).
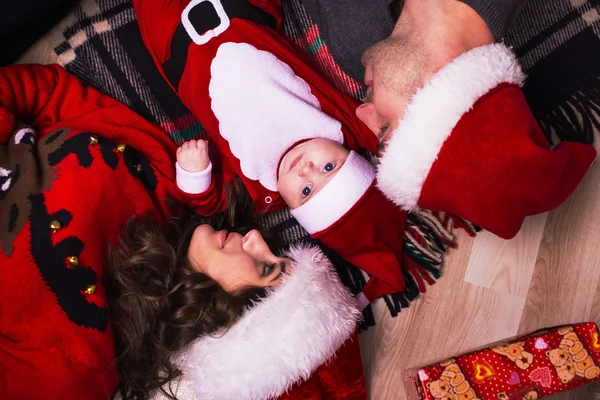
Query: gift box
point(530, 367)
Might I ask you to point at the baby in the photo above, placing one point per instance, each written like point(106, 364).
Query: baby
point(278, 125)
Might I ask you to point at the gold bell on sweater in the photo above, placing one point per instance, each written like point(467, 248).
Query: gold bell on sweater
point(121, 147)
point(55, 225)
point(73, 260)
point(93, 139)
point(91, 289)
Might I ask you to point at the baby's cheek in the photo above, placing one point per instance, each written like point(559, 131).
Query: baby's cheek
point(286, 191)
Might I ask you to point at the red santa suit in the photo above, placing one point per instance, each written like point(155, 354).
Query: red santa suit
point(68, 183)
point(184, 38)
point(258, 96)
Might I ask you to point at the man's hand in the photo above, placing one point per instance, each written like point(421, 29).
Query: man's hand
point(192, 156)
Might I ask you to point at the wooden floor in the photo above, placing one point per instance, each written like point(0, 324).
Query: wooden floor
point(491, 289)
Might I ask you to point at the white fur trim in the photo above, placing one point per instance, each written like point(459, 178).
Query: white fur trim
point(263, 109)
point(336, 198)
point(433, 113)
point(193, 182)
point(279, 341)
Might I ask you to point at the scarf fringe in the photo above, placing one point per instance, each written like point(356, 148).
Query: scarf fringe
point(577, 118)
point(426, 240)
point(451, 222)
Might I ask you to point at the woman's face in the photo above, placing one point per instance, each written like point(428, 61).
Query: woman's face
point(235, 261)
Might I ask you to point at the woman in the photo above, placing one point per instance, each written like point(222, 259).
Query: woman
point(69, 182)
point(203, 274)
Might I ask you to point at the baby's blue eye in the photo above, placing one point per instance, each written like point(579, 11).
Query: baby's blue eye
point(328, 167)
point(306, 191)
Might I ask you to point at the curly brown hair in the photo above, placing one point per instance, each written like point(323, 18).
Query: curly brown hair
point(159, 304)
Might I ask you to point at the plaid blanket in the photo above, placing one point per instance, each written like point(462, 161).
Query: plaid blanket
point(558, 45)
point(103, 47)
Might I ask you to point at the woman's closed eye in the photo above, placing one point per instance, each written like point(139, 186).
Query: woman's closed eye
point(268, 269)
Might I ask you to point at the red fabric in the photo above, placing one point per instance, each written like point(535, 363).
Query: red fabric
point(341, 378)
point(370, 236)
point(527, 368)
point(40, 341)
point(158, 20)
point(496, 167)
point(378, 255)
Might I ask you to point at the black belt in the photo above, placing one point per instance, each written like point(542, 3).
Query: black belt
point(205, 16)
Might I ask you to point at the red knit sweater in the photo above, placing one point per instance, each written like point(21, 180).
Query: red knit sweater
point(55, 337)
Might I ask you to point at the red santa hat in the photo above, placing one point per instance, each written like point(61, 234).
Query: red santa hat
point(299, 342)
point(351, 216)
point(468, 144)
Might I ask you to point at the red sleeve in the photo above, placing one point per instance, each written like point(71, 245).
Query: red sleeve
point(214, 199)
point(211, 201)
point(43, 95)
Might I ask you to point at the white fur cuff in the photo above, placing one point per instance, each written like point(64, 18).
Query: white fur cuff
point(433, 113)
point(193, 182)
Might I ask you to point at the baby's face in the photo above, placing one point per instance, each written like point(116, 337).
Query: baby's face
point(307, 168)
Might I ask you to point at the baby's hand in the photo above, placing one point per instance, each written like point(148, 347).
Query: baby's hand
point(192, 156)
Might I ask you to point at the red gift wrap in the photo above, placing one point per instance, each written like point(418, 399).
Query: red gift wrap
point(527, 368)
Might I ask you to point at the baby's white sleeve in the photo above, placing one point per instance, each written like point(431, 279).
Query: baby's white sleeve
point(193, 182)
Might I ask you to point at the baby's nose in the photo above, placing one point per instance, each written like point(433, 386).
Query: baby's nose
point(306, 168)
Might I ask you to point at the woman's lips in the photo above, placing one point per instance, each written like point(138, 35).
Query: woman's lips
point(223, 235)
point(230, 236)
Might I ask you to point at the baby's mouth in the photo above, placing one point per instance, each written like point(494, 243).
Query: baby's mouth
point(295, 162)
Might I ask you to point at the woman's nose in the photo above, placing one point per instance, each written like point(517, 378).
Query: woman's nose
point(250, 241)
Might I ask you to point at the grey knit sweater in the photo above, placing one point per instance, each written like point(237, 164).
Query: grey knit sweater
point(348, 27)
